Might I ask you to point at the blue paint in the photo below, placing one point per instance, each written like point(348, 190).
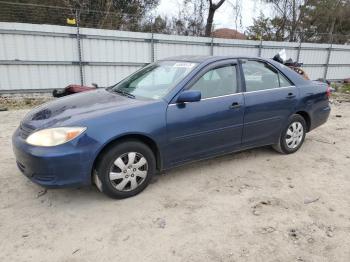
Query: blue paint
point(183, 132)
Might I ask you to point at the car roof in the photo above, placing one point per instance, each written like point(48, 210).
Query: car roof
point(200, 59)
point(203, 58)
point(189, 58)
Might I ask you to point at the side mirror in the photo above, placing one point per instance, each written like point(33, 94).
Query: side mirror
point(189, 96)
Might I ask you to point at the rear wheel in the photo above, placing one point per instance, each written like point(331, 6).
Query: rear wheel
point(292, 136)
point(125, 169)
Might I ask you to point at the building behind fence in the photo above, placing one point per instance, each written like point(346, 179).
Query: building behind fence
point(42, 57)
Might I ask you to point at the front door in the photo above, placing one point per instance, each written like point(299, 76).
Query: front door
point(214, 124)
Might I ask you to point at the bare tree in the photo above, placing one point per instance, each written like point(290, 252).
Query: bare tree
point(288, 17)
point(190, 19)
point(304, 20)
point(211, 12)
point(236, 6)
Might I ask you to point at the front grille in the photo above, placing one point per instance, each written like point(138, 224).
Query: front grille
point(25, 130)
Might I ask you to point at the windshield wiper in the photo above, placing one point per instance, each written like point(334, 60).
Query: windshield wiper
point(124, 93)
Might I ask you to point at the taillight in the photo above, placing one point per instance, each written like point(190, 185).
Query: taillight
point(328, 92)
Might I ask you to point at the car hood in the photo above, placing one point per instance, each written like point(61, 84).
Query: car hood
point(76, 108)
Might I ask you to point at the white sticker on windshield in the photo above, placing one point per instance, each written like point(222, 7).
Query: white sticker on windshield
point(156, 96)
point(185, 65)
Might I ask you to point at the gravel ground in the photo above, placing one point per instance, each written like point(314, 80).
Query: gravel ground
point(256, 205)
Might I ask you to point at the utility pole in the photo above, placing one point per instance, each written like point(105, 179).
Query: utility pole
point(77, 19)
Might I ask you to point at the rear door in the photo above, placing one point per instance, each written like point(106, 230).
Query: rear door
point(270, 98)
point(212, 125)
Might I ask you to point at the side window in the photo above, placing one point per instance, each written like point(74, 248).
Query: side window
point(284, 81)
point(217, 82)
point(261, 76)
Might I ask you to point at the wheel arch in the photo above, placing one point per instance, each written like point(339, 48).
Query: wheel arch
point(136, 137)
point(306, 117)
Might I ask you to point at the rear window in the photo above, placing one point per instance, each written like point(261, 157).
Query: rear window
point(261, 76)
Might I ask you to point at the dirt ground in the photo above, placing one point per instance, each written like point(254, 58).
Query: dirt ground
point(256, 205)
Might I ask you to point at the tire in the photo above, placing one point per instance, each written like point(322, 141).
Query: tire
point(292, 136)
point(125, 169)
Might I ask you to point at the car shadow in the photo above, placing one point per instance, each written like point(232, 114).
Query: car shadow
point(91, 194)
point(197, 166)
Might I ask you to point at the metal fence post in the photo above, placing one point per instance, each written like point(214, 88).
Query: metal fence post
point(77, 18)
point(299, 50)
point(260, 47)
point(152, 47)
point(328, 56)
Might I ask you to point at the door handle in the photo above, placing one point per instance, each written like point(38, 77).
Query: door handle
point(235, 105)
point(290, 95)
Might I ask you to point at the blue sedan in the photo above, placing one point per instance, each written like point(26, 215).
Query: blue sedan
point(168, 113)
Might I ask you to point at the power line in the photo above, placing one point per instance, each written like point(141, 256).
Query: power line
point(33, 5)
point(44, 17)
point(66, 8)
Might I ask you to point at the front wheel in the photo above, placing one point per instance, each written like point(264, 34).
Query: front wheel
point(292, 136)
point(125, 169)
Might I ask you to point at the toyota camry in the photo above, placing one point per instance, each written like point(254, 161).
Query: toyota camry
point(168, 113)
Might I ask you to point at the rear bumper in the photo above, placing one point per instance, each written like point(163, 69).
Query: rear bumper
point(320, 117)
point(66, 165)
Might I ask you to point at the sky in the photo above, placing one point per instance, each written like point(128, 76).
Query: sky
point(224, 15)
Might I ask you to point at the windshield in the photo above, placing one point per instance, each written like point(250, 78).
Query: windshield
point(155, 80)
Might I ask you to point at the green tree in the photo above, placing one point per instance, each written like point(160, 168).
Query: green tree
point(262, 28)
point(158, 25)
point(324, 18)
point(304, 20)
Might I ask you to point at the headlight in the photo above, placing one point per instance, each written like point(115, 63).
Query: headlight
point(54, 136)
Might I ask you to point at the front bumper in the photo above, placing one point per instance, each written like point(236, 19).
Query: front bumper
point(67, 165)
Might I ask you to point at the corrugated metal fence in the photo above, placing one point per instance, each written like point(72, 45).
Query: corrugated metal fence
point(45, 56)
